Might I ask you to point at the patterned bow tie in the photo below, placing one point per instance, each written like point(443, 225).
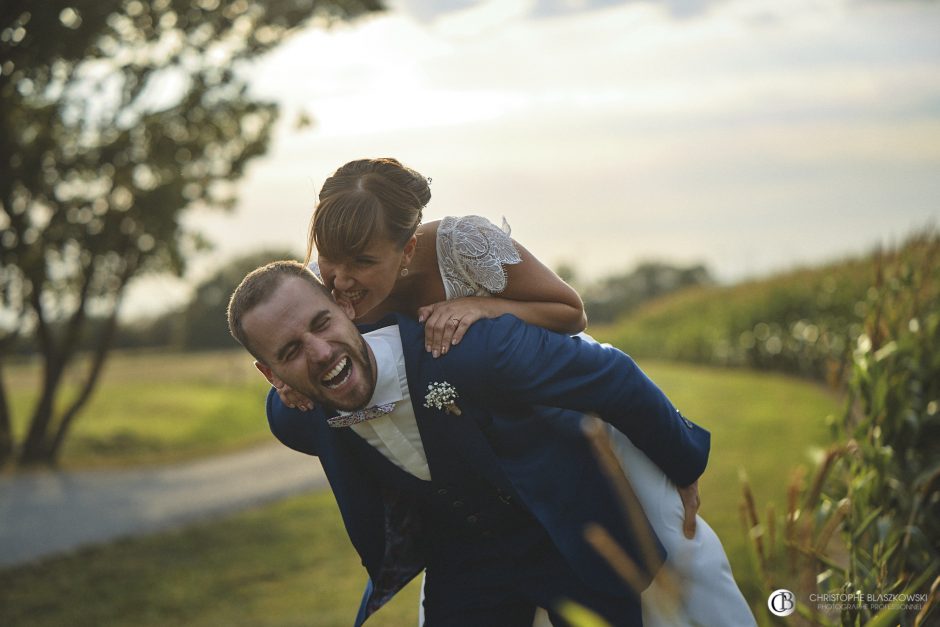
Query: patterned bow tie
point(362, 415)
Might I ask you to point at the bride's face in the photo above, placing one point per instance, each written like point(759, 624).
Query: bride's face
point(367, 279)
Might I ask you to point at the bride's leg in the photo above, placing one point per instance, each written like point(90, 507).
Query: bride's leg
point(709, 595)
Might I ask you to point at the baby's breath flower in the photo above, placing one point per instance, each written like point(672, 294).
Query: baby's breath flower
point(442, 396)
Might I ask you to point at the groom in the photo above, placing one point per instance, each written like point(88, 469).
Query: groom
point(459, 465)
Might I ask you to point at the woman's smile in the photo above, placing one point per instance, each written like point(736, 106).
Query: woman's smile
point(353, 296)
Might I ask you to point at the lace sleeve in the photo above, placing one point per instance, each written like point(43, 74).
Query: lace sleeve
point(471, 253)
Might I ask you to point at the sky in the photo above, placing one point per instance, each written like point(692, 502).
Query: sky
point(752, 136)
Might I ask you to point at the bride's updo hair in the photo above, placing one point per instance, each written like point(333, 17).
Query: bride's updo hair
point(364, 199)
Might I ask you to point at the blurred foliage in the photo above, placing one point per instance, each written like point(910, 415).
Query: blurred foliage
point(198, 325)
point(567, 273)
point(203, 322)
point(869, 523)
point(116, 117)
point(801, 322)
point(617, 295)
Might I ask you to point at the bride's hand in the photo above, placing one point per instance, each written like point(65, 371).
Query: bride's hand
point(446, 322)
point(292, 398)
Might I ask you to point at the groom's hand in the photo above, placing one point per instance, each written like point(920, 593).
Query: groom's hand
point(690, 503)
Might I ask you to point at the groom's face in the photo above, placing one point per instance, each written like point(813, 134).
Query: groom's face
point(306, 340)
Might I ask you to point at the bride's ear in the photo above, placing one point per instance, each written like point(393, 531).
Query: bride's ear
point(409, 251)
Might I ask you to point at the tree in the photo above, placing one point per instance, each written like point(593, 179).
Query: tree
point(116, 118)
point(203, 324)
point(619, 294)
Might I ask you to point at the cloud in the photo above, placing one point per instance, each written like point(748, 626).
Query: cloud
point(748, 137)
point(431, 10)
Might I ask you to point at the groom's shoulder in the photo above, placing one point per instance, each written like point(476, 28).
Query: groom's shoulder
point(294, 429)
point(484, 334)
point(487, 344)
point(489, 348)
point(499, 337)
point(500, 326)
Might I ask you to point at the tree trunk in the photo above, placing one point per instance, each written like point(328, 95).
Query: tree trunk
point(34, 450)
point(35, 447)
point(101, 353)
point(6, 426)
point(39, 445)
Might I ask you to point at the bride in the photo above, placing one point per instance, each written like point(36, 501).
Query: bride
point(374, 252)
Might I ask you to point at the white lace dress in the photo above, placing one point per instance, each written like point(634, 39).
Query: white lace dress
point(472, 254)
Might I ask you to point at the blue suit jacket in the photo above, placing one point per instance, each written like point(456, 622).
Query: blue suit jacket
point(521, 393)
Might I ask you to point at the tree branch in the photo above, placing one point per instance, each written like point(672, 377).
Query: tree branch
point(102, 347)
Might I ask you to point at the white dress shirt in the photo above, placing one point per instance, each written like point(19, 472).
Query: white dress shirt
point(395, 434)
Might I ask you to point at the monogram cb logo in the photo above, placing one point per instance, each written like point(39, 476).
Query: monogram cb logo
point(781, 602)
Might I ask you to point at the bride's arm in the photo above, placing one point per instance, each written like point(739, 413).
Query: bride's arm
point(532, 293)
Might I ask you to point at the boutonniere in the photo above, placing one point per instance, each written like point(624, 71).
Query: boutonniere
point(442, 396)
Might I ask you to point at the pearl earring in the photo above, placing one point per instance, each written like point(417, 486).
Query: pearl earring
point(404, 272)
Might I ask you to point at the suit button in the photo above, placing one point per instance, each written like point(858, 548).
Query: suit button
point(457, 504)
point(442, 491)
point(472, 519)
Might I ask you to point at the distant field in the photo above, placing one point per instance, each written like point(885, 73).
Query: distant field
point(290, 564)
point(154, 407)
point(796, 322)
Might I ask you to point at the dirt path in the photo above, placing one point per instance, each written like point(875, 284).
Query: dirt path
point(48, 513)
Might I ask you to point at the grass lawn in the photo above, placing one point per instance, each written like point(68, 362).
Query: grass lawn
point(291, 564)
point(282, 565)
point(154, 407)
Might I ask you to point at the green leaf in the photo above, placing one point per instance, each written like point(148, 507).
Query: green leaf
point(886, 617)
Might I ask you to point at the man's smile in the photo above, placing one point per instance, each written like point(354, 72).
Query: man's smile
point(338, 374)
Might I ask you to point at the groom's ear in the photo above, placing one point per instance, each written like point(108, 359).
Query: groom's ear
point(269, 374)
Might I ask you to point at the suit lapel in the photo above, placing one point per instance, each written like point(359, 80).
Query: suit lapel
point(450, 442)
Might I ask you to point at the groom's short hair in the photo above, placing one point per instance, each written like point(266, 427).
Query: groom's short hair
point(257, 287)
